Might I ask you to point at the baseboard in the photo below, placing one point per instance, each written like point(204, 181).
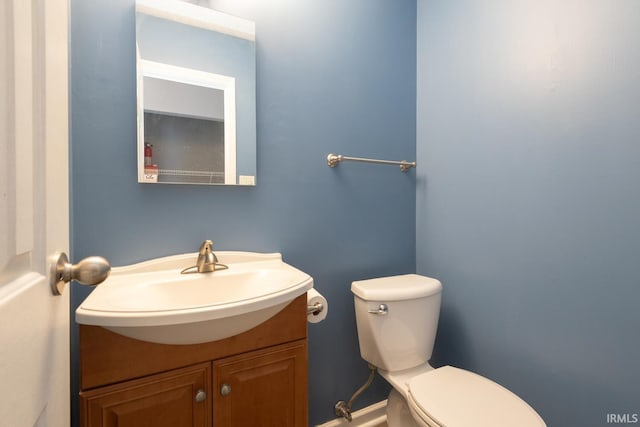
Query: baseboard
point(372, 416)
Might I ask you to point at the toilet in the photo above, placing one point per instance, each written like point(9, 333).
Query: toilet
point(397, 319)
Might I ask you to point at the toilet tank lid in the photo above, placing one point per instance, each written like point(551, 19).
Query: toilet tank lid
point(396, 288)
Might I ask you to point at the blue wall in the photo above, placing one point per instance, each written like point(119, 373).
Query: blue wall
point(331, 77)
point(528, 196)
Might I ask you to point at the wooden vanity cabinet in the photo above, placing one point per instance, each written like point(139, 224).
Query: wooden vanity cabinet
point(258, 378)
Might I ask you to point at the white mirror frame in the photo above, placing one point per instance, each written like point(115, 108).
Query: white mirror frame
point(189, 76)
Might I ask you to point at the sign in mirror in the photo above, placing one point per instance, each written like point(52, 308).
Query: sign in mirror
point(196, 95)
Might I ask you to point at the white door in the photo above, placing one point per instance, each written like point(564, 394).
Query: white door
point(34, 212)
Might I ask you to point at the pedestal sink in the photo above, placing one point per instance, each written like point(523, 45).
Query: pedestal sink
point(152, 301)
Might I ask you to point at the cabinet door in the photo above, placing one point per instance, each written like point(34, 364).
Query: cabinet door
point(266, 388)
point(178, 398)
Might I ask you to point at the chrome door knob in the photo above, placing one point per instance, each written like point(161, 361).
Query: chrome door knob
point(90, 271)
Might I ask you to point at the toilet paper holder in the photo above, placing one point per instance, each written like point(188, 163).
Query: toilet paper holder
point(315, 309)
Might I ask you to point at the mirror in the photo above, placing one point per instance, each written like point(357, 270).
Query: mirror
point(196, 95)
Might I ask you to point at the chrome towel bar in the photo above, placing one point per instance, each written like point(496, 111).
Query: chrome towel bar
point(334, 159)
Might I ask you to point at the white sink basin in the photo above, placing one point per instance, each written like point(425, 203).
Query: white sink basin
point(151, 301)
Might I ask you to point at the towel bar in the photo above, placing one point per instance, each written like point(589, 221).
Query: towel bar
point(334, 159)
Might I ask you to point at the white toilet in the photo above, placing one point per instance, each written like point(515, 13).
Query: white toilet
point(397, 318)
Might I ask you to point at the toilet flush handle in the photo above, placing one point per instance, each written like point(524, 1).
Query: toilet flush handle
point(381, 310)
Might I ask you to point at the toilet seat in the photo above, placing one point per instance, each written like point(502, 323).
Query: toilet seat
point(453, 397)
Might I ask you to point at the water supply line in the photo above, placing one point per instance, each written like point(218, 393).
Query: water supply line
point(343, 409)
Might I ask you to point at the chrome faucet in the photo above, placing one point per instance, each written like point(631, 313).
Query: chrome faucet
point(207, 261)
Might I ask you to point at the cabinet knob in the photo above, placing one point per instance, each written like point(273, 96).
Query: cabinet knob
point(225, 389)
point(201, 395)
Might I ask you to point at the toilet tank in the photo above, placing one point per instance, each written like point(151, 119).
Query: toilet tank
point(403, 337)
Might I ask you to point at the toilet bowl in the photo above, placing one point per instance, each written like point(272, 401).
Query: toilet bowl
point(397, 319)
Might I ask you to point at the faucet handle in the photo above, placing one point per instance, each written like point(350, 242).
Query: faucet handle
point(206, 247)
point(207, 261)
point(206, 251)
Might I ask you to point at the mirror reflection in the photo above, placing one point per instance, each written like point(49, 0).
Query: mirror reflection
point(196, 95)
